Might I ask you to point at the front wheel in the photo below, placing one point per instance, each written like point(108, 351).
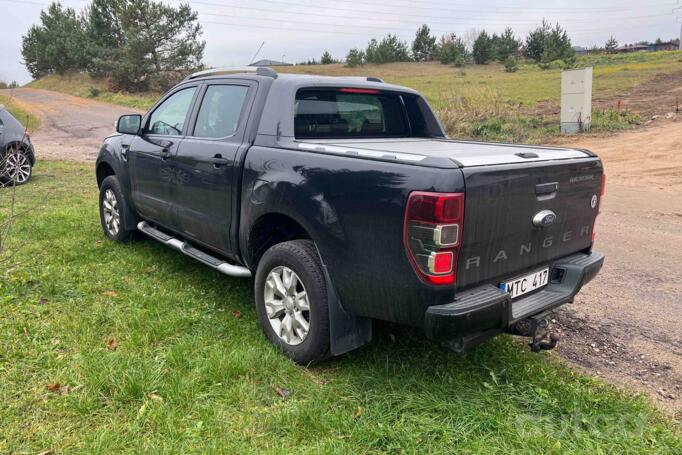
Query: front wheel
point(112, 210)
point(291, 301)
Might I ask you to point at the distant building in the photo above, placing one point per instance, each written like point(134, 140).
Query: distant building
point(634, 48)
point(267, 62)
point(669, 46)
point(579, 50)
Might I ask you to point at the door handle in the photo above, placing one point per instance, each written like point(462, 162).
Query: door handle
point(165, 154)
point(218, 161)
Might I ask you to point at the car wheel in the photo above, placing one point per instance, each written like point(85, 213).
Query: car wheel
point(291, 301)
point(112, 210)
point(17, 167)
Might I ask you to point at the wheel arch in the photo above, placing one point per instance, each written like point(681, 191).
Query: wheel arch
point(103, 171)
point(267, 231)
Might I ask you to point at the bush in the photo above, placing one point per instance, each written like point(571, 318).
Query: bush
point(94, 92)
point(511, 65)
point(487, 128)
point(613, 119)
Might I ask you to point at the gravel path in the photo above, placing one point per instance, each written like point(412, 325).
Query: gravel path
point(71, 128)
point(626, 325)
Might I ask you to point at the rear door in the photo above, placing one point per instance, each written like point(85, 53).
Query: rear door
point(152, 167)
point(500, 238)
point(207, 157)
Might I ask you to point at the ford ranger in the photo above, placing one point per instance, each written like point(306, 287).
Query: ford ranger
point(346, 202)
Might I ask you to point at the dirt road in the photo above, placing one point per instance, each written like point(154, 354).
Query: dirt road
point(71, 128)
point(626, 326)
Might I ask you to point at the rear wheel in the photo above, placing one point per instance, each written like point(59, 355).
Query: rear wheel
point(291, 300)
point(16, 168)
point(112, 210)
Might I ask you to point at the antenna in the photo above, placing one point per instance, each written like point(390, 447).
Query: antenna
point(257, 52)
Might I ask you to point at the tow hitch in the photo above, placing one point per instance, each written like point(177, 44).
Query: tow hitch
point(539, 329)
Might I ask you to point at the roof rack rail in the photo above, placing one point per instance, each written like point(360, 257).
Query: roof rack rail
point(374, 79)
point(259, 70)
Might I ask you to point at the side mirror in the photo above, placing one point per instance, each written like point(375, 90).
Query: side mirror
point(129, 124)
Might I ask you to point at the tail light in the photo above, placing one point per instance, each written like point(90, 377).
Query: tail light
point(432, 235)
point(601, 196)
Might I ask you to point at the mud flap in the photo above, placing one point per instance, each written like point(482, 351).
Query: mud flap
point(346, 331)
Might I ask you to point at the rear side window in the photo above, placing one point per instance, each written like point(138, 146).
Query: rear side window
point(220, 111)
point(349, 113)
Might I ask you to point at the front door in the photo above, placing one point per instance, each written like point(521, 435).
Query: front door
point(151, 156)
point(207, 158)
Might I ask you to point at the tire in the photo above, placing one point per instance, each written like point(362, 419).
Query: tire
point(17, 167)
point(113, 211)
point(301, 258)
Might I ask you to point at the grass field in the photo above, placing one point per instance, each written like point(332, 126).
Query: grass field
point(190, 372)
point(475, 102)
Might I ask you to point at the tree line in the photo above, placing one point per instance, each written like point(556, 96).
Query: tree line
point(138, 44)
point(548, 45)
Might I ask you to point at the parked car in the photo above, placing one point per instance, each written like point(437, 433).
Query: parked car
point(17, 156)
point(346, 202)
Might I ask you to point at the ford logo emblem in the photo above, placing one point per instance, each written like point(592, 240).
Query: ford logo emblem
point(544, 218)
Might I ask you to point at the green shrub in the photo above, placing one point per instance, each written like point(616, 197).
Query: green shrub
point(487, 128)
point(93, 92)
point(511, 65)
point(613, 119)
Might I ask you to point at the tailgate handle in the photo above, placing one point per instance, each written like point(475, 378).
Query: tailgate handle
point(543, 189)
point(527, 155)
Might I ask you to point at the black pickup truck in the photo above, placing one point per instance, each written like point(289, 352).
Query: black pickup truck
point(346, 201)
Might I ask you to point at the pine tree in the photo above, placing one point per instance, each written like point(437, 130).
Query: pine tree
point(424, 45)
point(611, 45)
point(506, 45)
point(452, 50)
point(483, 49)
point(355, 58)
point(327, 58)
point(535, 41)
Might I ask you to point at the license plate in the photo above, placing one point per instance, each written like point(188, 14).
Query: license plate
point(525, 284)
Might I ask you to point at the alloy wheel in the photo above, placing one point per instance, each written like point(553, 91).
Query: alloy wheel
point(18, 166)
point(287, 305)
point(112, 216)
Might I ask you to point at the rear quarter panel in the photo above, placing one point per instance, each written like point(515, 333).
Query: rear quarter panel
point(353, 209)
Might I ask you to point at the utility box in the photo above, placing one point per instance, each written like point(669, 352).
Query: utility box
point(576, 100)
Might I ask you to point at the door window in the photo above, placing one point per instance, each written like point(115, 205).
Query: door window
point(168, 119)
point(220, 111)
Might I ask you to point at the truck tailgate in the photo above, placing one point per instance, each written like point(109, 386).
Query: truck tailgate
point(500, 239)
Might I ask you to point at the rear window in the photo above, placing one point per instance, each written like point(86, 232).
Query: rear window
point(349, 113)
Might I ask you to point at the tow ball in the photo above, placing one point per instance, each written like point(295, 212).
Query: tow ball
point(539, 329)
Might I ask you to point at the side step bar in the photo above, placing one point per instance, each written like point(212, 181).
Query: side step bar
point(185, 248)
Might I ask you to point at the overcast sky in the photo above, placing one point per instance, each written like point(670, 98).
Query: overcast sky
point(298, 30)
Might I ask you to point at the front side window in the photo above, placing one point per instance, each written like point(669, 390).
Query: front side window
point(349, 113)
point(220, 111)
point(169, 118)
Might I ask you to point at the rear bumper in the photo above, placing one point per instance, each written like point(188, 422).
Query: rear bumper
point(483, 312)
